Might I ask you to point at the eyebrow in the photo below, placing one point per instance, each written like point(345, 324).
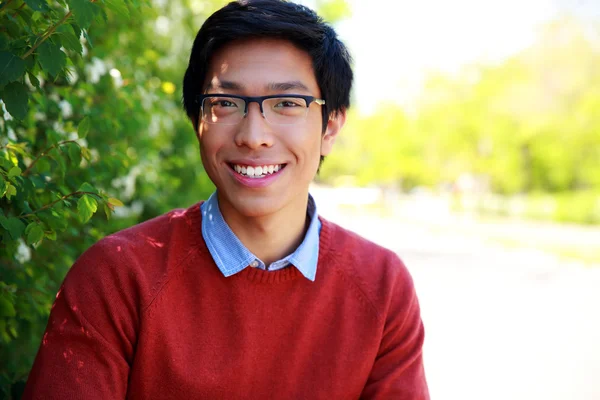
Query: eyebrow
point(225, 85)
point(285, 86)
point(273, 86)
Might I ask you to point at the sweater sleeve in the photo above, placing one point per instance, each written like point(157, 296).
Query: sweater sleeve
point(88, 345)
point(398, 371)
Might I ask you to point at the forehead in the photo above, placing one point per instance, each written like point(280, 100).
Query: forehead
point(255, 65)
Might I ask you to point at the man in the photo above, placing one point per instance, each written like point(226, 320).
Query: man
point(249, 295)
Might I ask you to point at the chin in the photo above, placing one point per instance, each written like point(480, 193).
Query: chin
point(255, 207)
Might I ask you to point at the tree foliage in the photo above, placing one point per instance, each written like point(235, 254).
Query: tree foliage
point(527, 125)
point(92, 140)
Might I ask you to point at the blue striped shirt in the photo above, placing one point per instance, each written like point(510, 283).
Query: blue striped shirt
point(231, 256)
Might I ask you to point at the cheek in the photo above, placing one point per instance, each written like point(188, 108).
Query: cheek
point(309, 151)
point(209, 149)
point(211, 141)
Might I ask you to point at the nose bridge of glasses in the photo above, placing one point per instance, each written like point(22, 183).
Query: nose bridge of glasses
point(258, 101)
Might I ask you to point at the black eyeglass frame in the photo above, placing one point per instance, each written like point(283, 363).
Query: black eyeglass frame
point(257, 99)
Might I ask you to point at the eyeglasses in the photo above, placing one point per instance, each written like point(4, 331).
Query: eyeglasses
point(276, 109)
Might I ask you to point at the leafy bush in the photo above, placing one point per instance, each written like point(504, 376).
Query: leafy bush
point(91, 121)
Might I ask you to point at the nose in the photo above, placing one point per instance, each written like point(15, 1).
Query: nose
point(254, 131)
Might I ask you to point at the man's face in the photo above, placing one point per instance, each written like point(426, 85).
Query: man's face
point(260, 67)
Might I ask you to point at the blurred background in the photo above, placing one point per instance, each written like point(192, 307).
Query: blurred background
point(472, 149)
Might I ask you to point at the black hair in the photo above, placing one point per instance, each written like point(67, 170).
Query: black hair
point(279, 19)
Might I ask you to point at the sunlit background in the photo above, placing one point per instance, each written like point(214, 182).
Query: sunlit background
point(472, 149)
point(474, 152)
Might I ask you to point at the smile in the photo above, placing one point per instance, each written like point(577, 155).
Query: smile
point(257, 172)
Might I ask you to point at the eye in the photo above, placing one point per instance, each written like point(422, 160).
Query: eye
point(222, 103)
point(287, 103)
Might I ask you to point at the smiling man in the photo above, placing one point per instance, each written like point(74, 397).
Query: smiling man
point(250, 294)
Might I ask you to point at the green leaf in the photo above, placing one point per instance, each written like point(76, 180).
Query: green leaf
point(7, 309)
point(87, 38)
point(6, 164)
point(50, 235)
point(18, 148)
point(10, 191)
point(69, 38)
point(30, 227)
point(86, 187)
point(86, 206)
point(2, 187)
point(62, 165)
point(37, 5)
point(16, 98)
point(107, 211)
point(54, 220)
point(86, 153)
point(53, 138)
point(12, 68)
point(25, 16)
point(26, 207)
point(4, 41)
point(52, 59)
point(12, 329)
point(115, 202)
point(84, 12)
point(30, 62)
point(84, 127)
point(75, 154)
point(71, 42)
point(14, 171)
point(42, 166)
point(104, 15)
point(35, 234)
point(3, 335)
point(76, 29)
point(118, 6)
point(13, 29)
point(13, 225)
point(33, 79)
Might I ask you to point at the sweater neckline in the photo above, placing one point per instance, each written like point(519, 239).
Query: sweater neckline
point(255, 274)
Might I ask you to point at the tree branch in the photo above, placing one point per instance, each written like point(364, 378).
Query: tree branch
point(16, 13)
point(47, 34)
point(5, 5)
point(57, 201)
point(43, 153)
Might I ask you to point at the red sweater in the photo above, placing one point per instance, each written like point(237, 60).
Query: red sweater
point(145, 313)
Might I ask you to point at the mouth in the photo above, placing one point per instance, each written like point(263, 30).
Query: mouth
point(257, 172)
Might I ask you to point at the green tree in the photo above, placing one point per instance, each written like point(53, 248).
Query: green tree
point(528, 125)
point(91, 121)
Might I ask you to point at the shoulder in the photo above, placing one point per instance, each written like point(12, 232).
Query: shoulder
point(138, 259)
point(378, 272)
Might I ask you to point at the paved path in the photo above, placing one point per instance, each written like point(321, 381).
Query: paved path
point(506, 324)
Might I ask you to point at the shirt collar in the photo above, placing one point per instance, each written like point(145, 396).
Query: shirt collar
point(231, 256)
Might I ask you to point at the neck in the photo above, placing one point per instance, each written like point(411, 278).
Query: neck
point(270, 237)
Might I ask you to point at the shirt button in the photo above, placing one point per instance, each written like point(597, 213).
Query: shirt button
point(254, 264)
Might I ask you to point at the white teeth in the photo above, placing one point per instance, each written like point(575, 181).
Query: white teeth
point(256, 172)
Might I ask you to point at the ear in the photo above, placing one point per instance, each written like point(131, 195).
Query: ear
point(334, 126)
